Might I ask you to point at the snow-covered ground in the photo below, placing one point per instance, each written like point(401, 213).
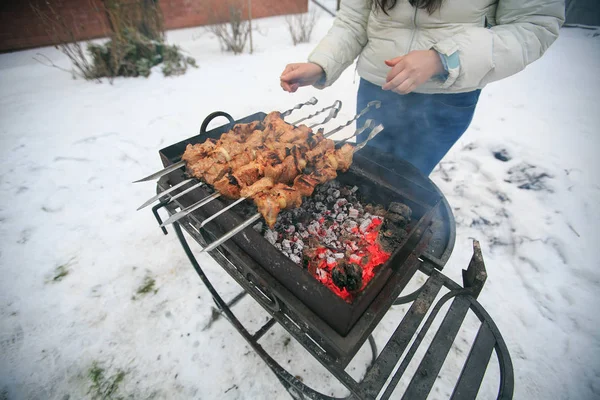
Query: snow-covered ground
point(75, 253)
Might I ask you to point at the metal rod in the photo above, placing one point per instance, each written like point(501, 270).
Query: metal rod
point(207, 220)
point(335, 109)
point(193, 207)
point(163, 193)
point(312, 101)
point(231, 233)
point(337, 106)
point(162, 172)
point(368, 124)
point(186, 191)
point(373, 133)
point(371, 104)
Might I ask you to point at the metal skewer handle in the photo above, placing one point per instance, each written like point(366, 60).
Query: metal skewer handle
point(311, 102)
point(335, 109)
point(370, 105)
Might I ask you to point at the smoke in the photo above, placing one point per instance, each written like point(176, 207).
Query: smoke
point(419, 128)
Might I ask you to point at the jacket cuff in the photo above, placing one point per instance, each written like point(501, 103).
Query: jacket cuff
point(448, 51)
point(324, 62)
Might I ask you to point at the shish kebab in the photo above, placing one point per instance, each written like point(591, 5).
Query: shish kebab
point(280, 161)
point(239, 129)
point(335, 108)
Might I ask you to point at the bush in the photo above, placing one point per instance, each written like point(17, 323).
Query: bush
point(234, 34)
point(134, 55)
point(301, 26)
point(136, 42)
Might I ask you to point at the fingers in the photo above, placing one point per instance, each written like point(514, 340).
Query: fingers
point(405, 87)
point(396, 80)
point(288, 87)
point(291, 72)
point(393, 61)
point(398, 68)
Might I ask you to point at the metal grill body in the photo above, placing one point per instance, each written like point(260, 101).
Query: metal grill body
point(334, 334)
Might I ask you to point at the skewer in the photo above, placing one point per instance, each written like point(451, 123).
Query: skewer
point(207, 220)
point(169, 190)
point(335, 109)
point(186, 191)
point(368, 124)
point(371, 104)
point(257, 216)
point(312, 101)
point(232, 233)
point(193, 207)
point(177, 165)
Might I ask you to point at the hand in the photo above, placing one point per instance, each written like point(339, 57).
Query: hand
point(300, 74)
point(412, 70)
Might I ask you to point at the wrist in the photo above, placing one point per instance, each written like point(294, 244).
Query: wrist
point(438, 64)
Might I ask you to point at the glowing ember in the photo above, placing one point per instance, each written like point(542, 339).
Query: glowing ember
point(335, 237)
point(370, 251)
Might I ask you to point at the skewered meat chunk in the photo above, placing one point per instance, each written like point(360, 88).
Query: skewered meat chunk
point(195, 152)
point(261, 185)
point(280, 197)
point(305, 184)
point(228, 186)
point(241, 131)
point(248, 174)
point(268, 206)
point(344, 157)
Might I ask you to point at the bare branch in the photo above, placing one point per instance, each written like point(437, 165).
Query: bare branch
point(301, 26)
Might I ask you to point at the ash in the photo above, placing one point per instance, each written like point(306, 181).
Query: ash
point(333, 218)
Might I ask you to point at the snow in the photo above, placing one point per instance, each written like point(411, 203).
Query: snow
point(70, 150)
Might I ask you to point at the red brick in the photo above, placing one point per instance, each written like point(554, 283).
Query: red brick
point(21, 27)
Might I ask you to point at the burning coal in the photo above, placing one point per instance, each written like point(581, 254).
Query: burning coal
point(342, 242)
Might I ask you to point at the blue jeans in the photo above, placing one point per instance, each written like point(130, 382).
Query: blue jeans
point(419, 128)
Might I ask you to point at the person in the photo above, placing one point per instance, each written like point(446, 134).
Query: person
point(427, 61)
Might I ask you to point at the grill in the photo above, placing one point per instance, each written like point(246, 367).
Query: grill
point(332, 329)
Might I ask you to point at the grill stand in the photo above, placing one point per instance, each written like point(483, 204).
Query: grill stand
point(377, 378)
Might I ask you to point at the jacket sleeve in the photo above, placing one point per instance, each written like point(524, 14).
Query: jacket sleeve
point(344, 41)
point(523, 31)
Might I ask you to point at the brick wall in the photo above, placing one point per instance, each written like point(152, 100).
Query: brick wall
point(21, 28)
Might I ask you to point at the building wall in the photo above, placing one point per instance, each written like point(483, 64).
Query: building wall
point(21, 27)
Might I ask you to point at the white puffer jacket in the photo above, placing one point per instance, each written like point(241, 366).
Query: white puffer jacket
point(482, 40)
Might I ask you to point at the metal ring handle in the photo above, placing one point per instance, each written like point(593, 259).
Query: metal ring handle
point(212, 116)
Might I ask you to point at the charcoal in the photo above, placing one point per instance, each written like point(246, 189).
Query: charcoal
point(338, 276)
point(352, 213)
point(397, 219)
point(364, 225)
point(271, 236)
point(353, 277)
point(401, 209)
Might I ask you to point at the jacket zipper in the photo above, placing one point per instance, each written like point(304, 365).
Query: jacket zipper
point(414, 32)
